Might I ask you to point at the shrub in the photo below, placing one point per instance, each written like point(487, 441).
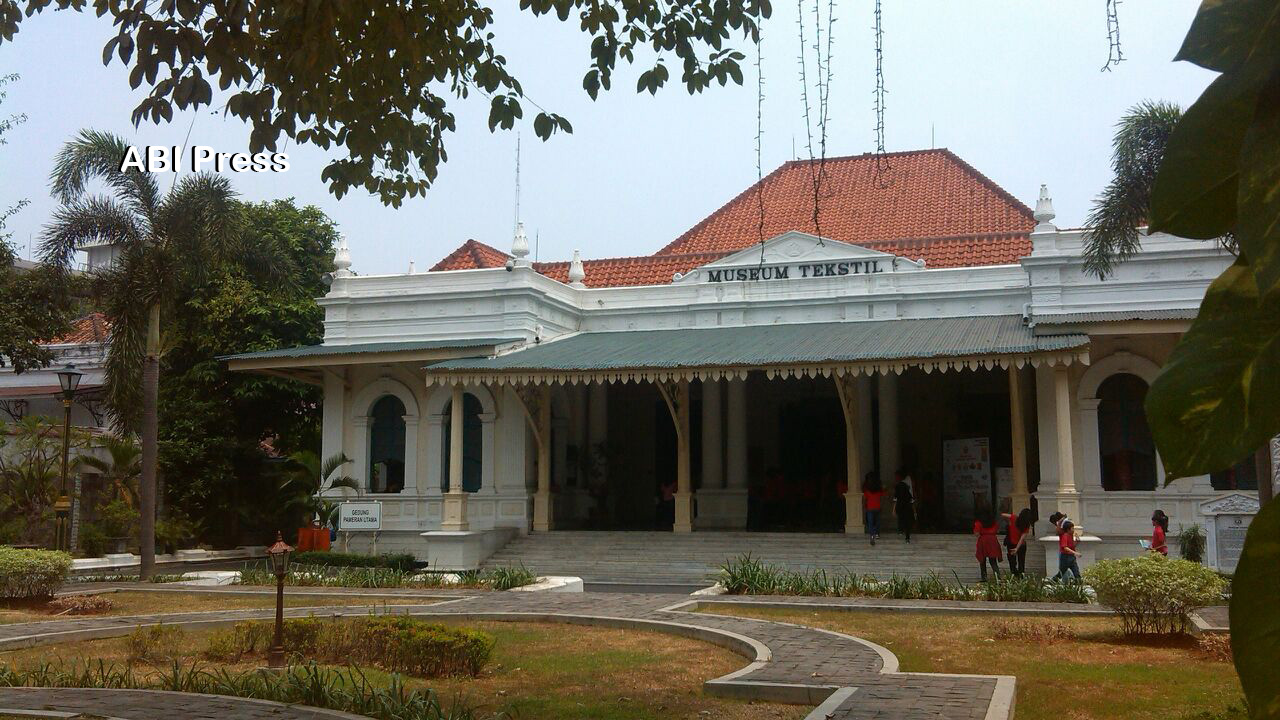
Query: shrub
point(505, 578)
point(1216, 646)
point(1034, 630)
point(1153, 594)
point(32, 573)
point(81, 605)
point(394, 643)
point(155, 643)
point(1191, 543)
point(117, 519)
point(403, 562)
point(92, 541)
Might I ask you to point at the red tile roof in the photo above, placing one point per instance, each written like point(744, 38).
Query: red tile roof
point(92, 328)
point(471, 255)
point(928, 205)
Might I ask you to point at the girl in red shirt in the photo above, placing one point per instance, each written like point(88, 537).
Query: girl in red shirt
point(872, 496)
point(1159, 527)
point(988, 551)
point(1016, 540)
point(1067, 554)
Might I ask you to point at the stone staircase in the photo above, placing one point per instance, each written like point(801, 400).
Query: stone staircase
point(664, 558)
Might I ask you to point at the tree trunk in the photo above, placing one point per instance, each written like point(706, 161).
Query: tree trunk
point(150, 423)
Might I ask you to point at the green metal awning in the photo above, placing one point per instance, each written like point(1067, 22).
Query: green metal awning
point(804, 349)
point(309, 363)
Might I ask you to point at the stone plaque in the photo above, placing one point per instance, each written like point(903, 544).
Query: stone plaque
point(1229, 532)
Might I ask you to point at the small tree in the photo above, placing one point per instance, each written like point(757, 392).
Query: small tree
point(1154, 594)
point(121, 470)
point(310, 479)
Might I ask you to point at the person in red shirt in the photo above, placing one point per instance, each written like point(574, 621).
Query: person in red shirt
point(1015, 541)
point(1067, 553)
point(1159, 528)
point(872, 497)
point(988, 550)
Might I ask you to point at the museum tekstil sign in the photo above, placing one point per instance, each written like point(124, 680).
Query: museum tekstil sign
point(787, 272)
point(798, 256)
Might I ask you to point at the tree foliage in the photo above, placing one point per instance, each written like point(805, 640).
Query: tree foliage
point(377, 77)
point(216, 425)
point(1125, 204)
point(1216, 400)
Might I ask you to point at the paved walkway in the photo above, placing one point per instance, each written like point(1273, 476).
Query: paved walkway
point(156, 705)
point(851, 678)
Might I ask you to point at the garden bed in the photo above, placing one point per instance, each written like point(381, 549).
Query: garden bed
point(145, 603)
point(538, 671)
point(387, 577)
point(1082, 668)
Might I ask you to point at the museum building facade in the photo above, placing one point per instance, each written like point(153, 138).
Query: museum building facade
point(755, 371)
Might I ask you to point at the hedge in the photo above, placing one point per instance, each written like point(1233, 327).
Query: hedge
point(402, 562)
point(392, 643)
point(1154, 594)
point(32, 573)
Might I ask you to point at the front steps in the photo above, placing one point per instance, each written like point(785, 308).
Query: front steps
point(666, 558)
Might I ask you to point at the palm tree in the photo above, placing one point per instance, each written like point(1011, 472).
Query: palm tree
point(311, 479)
point(120, 473)
point(1137, 150)
point(165, 242)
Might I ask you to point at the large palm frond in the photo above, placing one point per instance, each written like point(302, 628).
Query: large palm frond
point(95, 154)
point(130, 291)
point(200, 222)
point(1137, 150)
point(86, 220)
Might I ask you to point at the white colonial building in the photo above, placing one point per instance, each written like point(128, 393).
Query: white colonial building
point(759, 366)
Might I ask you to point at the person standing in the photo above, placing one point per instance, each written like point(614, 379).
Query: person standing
point(1159, 531)
point(1068, 556)
point(904, 504)
point(872, 497)
point(988, 546)
point(1015, 541)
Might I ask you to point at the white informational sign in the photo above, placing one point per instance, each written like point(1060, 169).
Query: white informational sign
point(966, 479)
point(360, 516)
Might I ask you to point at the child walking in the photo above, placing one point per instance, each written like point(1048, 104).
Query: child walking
point(872, 497)
point(1067, 553)
point(1016, 540)
point(1159, 527)
point(988, 550)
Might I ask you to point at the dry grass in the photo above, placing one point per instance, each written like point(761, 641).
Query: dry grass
point(542, 671)
point(1091, 673)
point(149, 602)
point(1216, 646)
point(1033, 630)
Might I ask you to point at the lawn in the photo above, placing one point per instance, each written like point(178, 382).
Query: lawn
point(546, 671)
point(147, 602)
point(1087, 672)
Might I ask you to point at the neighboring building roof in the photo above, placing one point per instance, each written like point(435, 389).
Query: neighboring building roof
point(924, 194)
point(93, 328)
point(1114, 316)
point(472, 255)
point(928, 205)
point(759, 346)
point(363, 348)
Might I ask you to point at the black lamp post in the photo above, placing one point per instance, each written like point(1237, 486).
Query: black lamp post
point(279, 555)
point(69, 379)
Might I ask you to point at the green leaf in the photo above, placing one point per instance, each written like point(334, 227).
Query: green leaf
point(1215, 401)
point(1225, 32)
point(1258, 231)
point(1255, 624)
point(1195, 191)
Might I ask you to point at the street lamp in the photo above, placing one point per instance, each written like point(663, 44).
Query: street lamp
point(279, 555)
point(69, 379)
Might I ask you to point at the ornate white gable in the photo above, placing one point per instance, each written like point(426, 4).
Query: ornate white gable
point(797, 255)
point(1235, 503)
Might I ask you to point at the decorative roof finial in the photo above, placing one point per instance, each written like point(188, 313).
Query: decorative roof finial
point(342, 259)
point(411, 270)
point(576, 272)
point(520, 245)
point(1044, 214)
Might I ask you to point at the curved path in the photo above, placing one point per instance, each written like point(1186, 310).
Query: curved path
point(848, 678)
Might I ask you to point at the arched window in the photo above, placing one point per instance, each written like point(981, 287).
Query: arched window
point(386, 445)
point(1128, 454)
point(472, 443)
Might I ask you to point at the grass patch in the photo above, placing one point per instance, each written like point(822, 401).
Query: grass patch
point(503, 578)
point(147, 603)
point(538, 671)
point(1071, 669)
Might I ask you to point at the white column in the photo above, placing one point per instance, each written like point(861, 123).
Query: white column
point(712, 437)
point(411, 469)
point(488, 434)
point(684, 479)
point(455, 500)
point(436, 450)
point(1021, 497)
point(334, 413)
point(1068, 495)
point(848, 389)
point(737, 445)
point(542, 517)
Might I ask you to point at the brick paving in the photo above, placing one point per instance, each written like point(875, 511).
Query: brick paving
point(798, 663)
point(1216, 619)
point(158, 705)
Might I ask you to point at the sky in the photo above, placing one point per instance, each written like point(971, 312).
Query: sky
point(1014, 87)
